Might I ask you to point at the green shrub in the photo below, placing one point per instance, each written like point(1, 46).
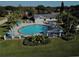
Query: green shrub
point(27, 41)
point(68, 37)
point(36, 40)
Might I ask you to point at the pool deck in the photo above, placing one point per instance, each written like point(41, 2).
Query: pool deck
point(37, 21)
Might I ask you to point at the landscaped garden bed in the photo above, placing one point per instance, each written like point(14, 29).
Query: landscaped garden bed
point(36, 40)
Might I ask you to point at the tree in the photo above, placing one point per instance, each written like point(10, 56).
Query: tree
point(62, 7)
point(2, 8)
point(40, 7)
point(12, 8)
point(75, 10)
point(70, 23)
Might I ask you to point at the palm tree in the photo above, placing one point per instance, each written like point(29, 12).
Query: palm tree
point(70, 23)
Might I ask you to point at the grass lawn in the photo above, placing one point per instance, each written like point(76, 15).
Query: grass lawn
point(57, 47)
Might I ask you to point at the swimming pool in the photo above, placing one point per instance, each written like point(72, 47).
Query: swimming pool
point(33, 29)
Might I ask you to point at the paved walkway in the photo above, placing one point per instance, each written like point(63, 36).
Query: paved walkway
point(3, 20)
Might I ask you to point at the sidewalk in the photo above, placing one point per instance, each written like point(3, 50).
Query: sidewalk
point(3, 20)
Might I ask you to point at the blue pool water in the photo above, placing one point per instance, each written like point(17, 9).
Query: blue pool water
point(33, 29)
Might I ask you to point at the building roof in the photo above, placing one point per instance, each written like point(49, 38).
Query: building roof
point(52, 15)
